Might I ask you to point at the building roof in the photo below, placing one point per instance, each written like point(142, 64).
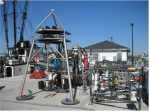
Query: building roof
point(106, 45)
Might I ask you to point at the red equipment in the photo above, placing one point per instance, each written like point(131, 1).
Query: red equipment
point(85, 62)
point(38, 75)
point(137, 78)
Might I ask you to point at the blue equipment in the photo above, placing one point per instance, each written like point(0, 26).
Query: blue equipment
point(55, 64)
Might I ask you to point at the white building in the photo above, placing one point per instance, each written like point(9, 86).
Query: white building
point(107, 50)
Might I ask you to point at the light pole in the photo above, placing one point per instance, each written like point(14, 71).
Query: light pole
point(132, 59)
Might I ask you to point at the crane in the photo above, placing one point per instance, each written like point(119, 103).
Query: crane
point(5, 24)
point(24, 17)
point(14, 21)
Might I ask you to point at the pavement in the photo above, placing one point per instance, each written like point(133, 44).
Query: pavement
point(45, 100)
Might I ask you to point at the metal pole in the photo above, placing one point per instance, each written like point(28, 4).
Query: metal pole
point(33, 41)
point(140, 88)
point(75, 75)
point(46, 47)
point(26, 69)
point(43, 20)
point(132, 43)
point(68, 71)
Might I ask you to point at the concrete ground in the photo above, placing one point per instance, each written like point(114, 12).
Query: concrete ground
point(44, 101)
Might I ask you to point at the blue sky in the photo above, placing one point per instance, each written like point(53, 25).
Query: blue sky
point(92, 22)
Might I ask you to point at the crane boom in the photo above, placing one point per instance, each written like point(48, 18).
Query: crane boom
point(5, 24)
point(24, 17)
point(14, 21)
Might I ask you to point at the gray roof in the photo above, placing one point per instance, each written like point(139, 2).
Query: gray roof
point(106, 45)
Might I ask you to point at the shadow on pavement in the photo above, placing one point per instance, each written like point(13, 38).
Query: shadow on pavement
point(1, 87)
point(131, 106)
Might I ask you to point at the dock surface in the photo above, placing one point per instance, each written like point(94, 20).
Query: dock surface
point(45, 100)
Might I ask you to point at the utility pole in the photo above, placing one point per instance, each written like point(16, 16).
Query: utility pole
point(14, 21)
point(132, 24)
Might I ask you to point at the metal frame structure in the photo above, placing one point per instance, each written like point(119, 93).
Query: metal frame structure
point(26, 97)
